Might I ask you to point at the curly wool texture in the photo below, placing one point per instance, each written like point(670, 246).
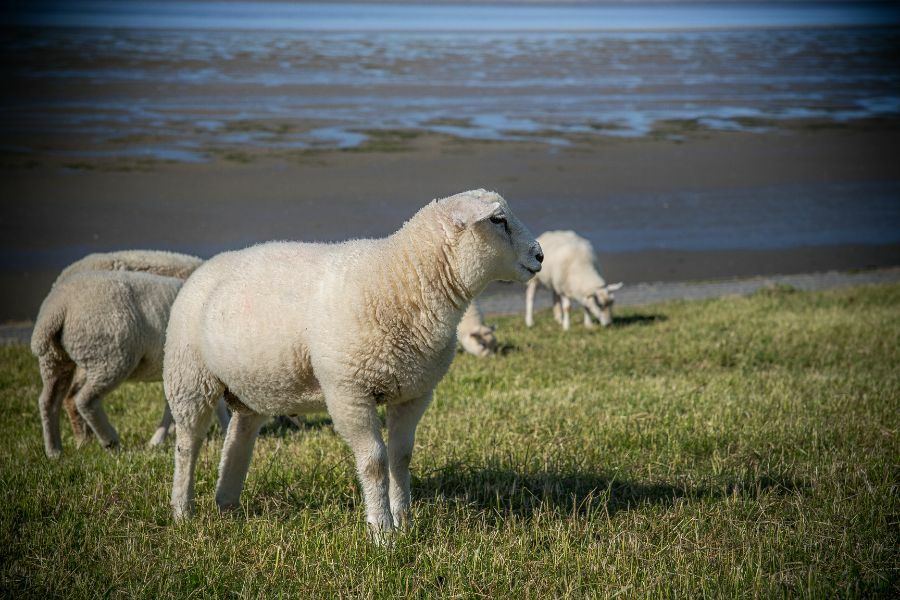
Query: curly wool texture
point(473, 335)
point(272, 325)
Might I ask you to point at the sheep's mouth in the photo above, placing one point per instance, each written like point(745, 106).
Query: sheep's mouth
point(532, 271)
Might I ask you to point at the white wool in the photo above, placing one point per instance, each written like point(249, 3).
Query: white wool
point(158, 262)
point(571, 272)
point(271, 327)
point(473, 335)
point(108, 321)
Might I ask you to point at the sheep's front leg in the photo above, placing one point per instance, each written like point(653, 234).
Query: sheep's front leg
point(356, 420)
point(402, 420)
point(588, 321)
point(566, 304)
point(529, 302)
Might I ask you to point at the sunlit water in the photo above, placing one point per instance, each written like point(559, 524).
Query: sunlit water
point(196, 76)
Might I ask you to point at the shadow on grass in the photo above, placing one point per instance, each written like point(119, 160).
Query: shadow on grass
point(501, 492)
point(629, 320)
point(506, 492)
point(282, 426)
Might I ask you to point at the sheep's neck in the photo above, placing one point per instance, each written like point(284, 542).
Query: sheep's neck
point(422, 282)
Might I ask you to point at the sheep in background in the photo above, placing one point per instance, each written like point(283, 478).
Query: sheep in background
point(570, 273)
point(159, 262)
point(109, 326)
point(474, 336)
point(271, 328)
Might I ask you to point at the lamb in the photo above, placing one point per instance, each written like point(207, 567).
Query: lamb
point(269, 326)
point(109, 327)
point(571, 273)
point(170, 264)
point(474, 336)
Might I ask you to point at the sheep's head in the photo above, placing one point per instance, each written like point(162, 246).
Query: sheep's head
point(480, 341)
point(601, 301)
point(492, 243)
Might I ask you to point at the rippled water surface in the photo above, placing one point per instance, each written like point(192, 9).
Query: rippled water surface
point(182, 78)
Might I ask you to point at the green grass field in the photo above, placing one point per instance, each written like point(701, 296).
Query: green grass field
point(741, 447)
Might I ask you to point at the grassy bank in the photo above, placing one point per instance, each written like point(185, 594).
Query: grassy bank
point(736, 447)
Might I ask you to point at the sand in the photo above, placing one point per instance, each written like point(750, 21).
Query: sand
point(54, 211)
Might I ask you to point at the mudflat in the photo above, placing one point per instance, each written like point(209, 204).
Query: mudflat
point(800, 198)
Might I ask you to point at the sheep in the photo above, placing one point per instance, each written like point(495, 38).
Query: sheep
point(269, 327)
point(109, 326)
point(474, 336)
point(570, 272)
point(170, 264)
point(159, 262)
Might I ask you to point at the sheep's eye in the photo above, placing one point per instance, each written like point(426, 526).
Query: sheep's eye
point(498, 220)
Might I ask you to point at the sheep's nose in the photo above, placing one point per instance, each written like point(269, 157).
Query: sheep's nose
point(539, 256)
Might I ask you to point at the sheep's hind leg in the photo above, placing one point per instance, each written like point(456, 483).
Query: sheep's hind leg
point(89, 402)
point(80, 428)
point(566, 304)
point(236, 455)
point(57, 378)
point(356, 420)
point(223, 415)
point(402, 420)
point(162, 430)
point(529, 302)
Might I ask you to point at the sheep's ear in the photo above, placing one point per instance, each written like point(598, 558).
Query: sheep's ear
point(466, 213)
point(614, 286)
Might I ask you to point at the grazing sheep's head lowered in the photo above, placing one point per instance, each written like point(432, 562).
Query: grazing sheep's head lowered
point(601, 301)
point(494, 242)
point(480, 341)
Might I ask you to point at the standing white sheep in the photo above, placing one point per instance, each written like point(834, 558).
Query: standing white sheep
point(159, 262)
point(571, 273)
point(270, 326)
point(109, 326)
point(474, 336)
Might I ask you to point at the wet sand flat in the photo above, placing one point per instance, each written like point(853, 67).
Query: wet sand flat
point(54, 213)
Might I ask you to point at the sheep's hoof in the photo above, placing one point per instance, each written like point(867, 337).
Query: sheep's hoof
point(111, 445)
point(382, 536)
point(158, 438)
point(53, 454)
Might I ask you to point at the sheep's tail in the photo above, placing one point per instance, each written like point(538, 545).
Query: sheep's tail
point(46, 339)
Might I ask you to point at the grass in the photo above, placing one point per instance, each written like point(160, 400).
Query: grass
point(741, 447)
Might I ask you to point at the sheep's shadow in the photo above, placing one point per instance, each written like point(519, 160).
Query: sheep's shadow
point(283, 426)
point(503, 492)
point(638, 319)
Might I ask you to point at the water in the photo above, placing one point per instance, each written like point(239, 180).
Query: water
point(284, 16)
point(197, 91)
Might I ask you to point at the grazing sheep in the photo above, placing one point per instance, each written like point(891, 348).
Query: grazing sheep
point(159, 262)
point(474, 336)
point(110, 327)
point(570, 273)
point(270, 327)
